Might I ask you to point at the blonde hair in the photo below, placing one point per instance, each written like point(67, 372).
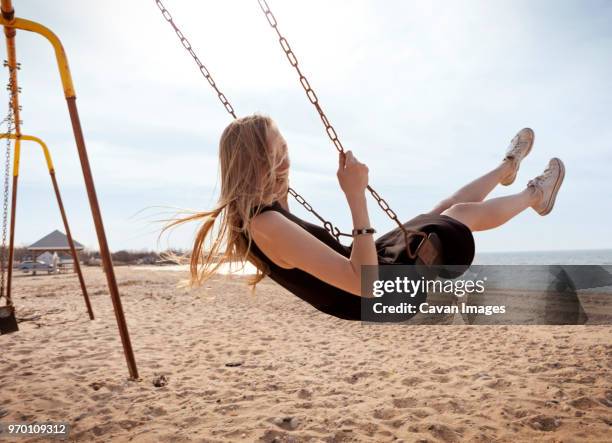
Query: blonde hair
point(249, 181)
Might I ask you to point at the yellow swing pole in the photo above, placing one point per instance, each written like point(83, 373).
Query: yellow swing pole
point(14, 103)
point(10, 23)
point(73, 251)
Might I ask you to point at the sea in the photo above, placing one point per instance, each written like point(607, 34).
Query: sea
point(601, 257)
point(589, 270)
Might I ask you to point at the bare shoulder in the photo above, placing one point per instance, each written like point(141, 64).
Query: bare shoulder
point(272, 232)
point(267, 223)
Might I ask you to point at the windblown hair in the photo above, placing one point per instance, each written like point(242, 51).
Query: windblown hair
point(249, 181)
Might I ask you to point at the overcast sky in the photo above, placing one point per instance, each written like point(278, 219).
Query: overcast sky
point(428, 94)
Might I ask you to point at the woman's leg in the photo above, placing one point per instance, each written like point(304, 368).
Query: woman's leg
point(540, 194)
point(480, 216)
point(477, 190)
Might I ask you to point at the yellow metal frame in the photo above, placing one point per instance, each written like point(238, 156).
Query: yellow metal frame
point(10, 24)
point(60, 54)
point(17, 157)
point(16, 163)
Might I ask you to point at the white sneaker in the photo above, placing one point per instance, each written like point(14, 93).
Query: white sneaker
point(547, 185)
point(519, 148)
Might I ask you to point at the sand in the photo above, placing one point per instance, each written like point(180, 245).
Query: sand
point(267, 367)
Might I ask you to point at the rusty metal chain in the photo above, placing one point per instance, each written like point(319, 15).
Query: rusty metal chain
point(230, 109)
point(203, 70)
point(326, 224)
point(5, 203)
point(329, 129)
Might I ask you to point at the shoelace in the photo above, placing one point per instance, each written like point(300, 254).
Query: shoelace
point(516, 148)
point(537, 181)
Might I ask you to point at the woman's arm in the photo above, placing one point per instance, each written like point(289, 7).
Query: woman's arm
point(364, 250)
point(300, 249)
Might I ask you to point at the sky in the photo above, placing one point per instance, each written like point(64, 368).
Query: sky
point(427, 94)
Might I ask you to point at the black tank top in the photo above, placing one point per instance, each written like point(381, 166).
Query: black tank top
point(323, 296)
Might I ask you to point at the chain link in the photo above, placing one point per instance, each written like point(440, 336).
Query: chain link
point(326, 224)
point(5, 204)
point(229, 108)
point(203, 70)
point(329, 129)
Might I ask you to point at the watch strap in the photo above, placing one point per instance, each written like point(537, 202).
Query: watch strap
point(363, 231)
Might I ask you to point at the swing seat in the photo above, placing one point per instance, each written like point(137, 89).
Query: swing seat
point(429, 257)
point(429, 252)
point(8, 321)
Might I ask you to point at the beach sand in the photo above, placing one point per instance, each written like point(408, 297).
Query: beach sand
point(267, 367)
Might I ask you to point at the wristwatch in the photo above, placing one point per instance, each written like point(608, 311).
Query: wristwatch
point(362, 231)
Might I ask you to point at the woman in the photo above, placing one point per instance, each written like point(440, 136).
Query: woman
point(255, 224)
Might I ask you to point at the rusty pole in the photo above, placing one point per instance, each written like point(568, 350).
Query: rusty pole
point(10, 22)
point(9, 264)
point(8, 14)
point(73, 251)
point(104, 249)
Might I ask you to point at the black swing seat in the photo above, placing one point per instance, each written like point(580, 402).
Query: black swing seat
point(429, 251)
point(428, 258)
point(8, 321)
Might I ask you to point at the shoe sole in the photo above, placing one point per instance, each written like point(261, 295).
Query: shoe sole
point(508, 183)
point(558, 182)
